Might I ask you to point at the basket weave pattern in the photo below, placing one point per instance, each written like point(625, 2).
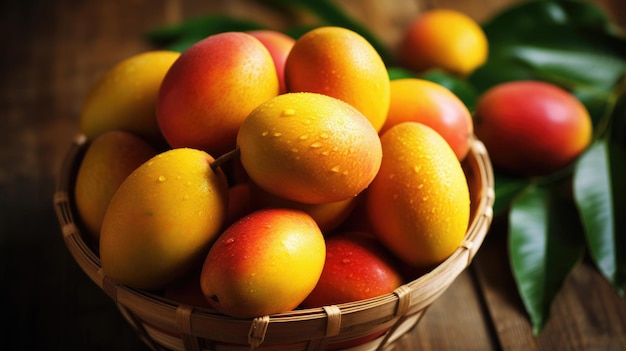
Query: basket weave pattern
point(167, 325)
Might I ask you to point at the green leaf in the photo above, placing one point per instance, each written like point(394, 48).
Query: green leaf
point(566, 56)
point(400, 73)
point(180, 36)
point(507, 188)
point(545, 243)
point(600, 194)
point(530, 14)
point(598, 103)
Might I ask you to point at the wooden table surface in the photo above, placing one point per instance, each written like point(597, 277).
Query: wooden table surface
point(53, 51)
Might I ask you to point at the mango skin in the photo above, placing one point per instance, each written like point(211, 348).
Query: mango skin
point(419, 203)
point(328, 215)
point(109, 159)
point(211, 88)
point(532, 128)
point(444, 39)
point(309, 148)
point(357, 267)
point(338, 62)
point(265, 263)
point(125, 97)
point(279, 45)
point(163, 218)
point(419, 100)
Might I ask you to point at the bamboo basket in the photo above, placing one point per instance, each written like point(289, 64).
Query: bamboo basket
point(373, 324)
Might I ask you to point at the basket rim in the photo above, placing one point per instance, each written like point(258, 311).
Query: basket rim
point(408, 300)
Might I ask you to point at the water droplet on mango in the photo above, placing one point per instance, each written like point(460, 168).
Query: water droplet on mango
point(288, 112)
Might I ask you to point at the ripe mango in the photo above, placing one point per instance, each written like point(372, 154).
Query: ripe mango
point(419, 202)
point(109, 159)
point(211, 88)
point(338, 62)
point(163, 218)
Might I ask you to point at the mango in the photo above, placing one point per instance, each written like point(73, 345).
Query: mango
point(163, 218)
point(419, 100)
point(211, 88)
point(309, 148)
point(357, 267)
point(338, 62)
point(419, 203)
point(109, 159)
point(532, 128)
point(444, 39)
point(265, 263)
point(125, 97)
point(279, 45)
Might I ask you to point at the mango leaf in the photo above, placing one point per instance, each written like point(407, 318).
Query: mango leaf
point(179, 37)
point(507, 188)
point(396, 72)
point(566, 56)
point(574, 13)
point(600, 194)
point(599, 104)
point(545, 243)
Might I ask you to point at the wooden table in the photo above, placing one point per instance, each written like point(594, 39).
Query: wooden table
point(52, 51)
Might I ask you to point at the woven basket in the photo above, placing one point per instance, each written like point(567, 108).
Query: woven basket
point(373, 324)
